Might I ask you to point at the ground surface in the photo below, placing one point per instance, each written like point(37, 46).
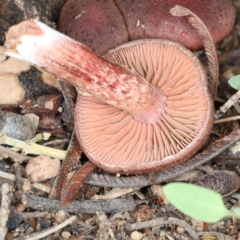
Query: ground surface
point(142, 213)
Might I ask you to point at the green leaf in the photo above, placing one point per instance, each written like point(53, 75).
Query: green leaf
point(197, 202)
point(236, 212)
point(234, 82)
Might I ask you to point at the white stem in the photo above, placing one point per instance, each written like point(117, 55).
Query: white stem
point(70, 60)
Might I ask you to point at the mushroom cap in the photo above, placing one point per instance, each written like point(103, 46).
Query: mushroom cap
point(151, 19)
point(98, 24)
point(116, 142)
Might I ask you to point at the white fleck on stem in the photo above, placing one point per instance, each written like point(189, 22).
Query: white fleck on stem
point(73, 62)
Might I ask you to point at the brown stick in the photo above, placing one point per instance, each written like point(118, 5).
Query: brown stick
point(87, 206)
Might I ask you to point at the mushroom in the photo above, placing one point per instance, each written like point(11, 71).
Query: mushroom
point(83, 20)
point(146, 106)
point(142, 20)
point(98, 24)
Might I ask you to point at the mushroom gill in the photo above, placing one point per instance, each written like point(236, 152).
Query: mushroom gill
point(116, 142)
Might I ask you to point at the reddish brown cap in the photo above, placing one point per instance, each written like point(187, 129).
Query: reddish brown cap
point(116, 142)
point(98, 24)
point(151, 19)
point(101, 25)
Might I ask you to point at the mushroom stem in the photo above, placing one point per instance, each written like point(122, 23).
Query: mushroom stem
point(72, 61)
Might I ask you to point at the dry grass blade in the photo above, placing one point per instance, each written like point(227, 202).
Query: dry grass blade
point(76, 182)
point(71, 160)
point(65, 88)
point(52, 230)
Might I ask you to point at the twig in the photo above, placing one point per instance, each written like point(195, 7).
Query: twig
point(20, 4)
point(11, 178)
point(160, 222)
point(38, 138)
point(4, 211)
point(28, 215)
point(42, 187)
point(227, 119)
point(52, 230)
point(56, 142)
point(7, 177)
point(232, 101)
point(32, 148)
point(114, 193)
point(18, 175)
point(87, 206)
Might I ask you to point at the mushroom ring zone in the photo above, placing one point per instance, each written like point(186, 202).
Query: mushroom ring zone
point(116, 142)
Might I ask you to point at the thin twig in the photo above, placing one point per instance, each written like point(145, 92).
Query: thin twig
point(7, 177)
point(4, 211)
point(11, 178)
point(42, 187)
point(86, 206)
point(57, 142)
point(232, 101)
point(52, 230)
point(114, 193)
point(28, 215)
point(160, 222)
point(227, 119)
point(32, 148)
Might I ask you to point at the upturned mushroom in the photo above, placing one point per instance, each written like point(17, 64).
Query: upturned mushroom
point(102, 25)
point(145, 106)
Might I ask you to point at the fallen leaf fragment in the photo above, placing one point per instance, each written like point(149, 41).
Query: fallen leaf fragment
point(223, 182)
point(41, 168)
point(143, 213)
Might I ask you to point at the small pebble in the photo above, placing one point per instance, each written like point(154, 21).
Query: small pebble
point(135, 235)
point(26, 187)
point(14, 220)
point(15, 234)
point(180, 230)
point(118, 236)
point(60, 216)
point(20, 207)
point(41, 168)
point(66, 235)
point(45, 222)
